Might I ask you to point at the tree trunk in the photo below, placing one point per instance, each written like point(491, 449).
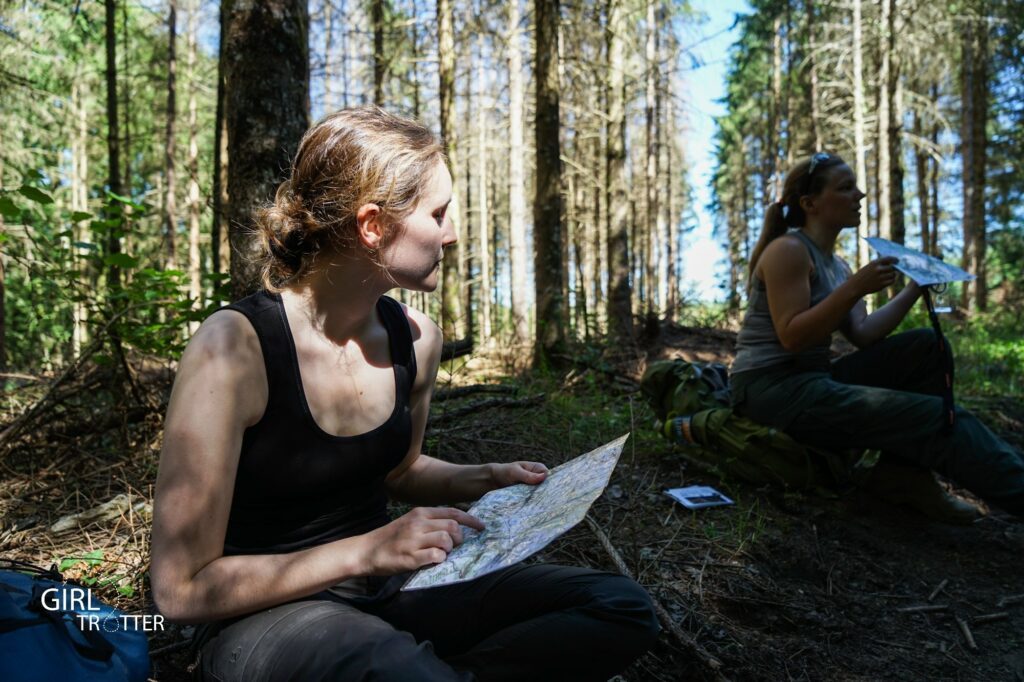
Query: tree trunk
point(483, 240)
point(620, 295)
point(171, 200)
point(670, 208)
point(921, 169)
point(451, 298)
point(194, 260)
point(812, 69)
point(860, 146)
point(600, 244)
point(772, 176)
point(517, 178)
point(379, 60)
point(469, 235)
point(113, 137)
point(974, 95)
point(80, 202)
point(126, 95)
point(897, 213)
point(414, 50)
point(885, 118)
point(221, 206)
point(547, 208)
point(267, 93)
point(933, 179)
point(330, 99)
point(651, 166)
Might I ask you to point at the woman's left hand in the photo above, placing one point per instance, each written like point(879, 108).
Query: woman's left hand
point(530, 473)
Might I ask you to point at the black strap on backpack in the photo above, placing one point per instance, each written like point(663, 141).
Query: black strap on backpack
point(948, 408)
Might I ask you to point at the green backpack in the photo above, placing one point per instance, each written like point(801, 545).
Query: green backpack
point(692, 402)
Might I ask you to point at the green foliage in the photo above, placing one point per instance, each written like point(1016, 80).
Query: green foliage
point(60, 274)
point(988, 348)
point(89, 566)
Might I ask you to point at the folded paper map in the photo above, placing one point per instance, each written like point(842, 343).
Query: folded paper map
point(522, 519)
point(921, 268)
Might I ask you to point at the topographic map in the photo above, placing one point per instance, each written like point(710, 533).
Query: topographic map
point(919, 267)
point(522, 519)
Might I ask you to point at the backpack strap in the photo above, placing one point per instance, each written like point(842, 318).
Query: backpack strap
point(948, 406)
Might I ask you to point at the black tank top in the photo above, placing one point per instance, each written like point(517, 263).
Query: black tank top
point(298, 486)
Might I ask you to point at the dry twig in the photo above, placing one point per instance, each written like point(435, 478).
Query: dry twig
point(967, 633)
point(938, 588)
point(688, 642)
point(924, 609)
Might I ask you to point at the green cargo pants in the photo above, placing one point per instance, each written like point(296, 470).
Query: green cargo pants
point(886, 397)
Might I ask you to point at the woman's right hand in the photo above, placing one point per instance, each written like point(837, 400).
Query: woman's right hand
point(876, 275)
point(422, 537)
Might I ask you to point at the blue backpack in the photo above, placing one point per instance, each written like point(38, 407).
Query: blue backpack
point(50, 630)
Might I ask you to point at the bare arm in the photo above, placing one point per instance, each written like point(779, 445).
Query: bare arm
point(862, 329)
point(221, 389)
point(420, 479)
point(785, 268)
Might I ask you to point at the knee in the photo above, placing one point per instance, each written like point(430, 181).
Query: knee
point(923, 344)
point(621, 601)
point(921, 340)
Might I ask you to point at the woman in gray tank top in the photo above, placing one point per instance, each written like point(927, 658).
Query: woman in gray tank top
point(885, 396)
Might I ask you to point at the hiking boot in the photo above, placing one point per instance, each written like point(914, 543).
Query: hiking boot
point(917, 488)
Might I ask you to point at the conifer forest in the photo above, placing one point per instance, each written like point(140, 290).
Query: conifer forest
point(139, 138)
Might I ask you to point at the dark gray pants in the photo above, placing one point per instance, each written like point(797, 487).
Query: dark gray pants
point(886, 397)
point(537, 622)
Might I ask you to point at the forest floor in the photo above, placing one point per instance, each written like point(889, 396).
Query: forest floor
point(779, 586)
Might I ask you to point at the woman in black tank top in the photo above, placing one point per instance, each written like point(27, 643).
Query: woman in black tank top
point(298, 410)
point(891, 394)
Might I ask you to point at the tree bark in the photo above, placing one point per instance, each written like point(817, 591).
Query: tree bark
point(885, 105)
point(267, 86)
point(194, 260)
point(113, 136)
point(772, 176)
point(934, 180)
point(974, 95)
point(221, 204)
point(517, 179)
point(547, 209)
point(650, 265)
point(812, 69)
point(379, 60)
point(80, 202)
point(921, 170)
point(451, 298)
point(330, 100)
point(671, 214)
point(171, 196)
point(860, 146)
point(483, 240)
point(620, 295)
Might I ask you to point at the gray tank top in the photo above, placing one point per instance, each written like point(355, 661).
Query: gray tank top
point(758, 346)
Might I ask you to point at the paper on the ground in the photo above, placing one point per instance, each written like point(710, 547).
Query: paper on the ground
point(522, 519)
point(698, 496)
point(920, 267)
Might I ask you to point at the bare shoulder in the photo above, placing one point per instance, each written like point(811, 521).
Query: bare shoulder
point(427, 340)
point(225, 355)
point(787, 248)
point(785, 255)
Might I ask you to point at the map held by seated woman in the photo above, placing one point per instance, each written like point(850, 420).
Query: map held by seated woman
point(920, 267)
point(522, 519)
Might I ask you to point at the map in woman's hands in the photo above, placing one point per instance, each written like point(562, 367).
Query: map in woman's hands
point(522, 519)
point(920, 267)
